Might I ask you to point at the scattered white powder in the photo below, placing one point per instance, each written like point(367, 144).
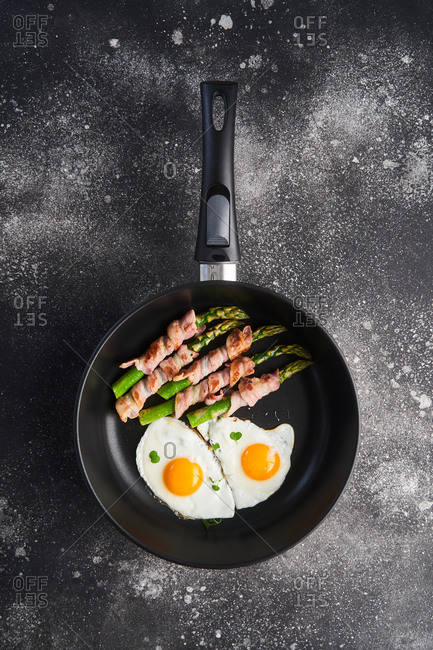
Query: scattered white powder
point(425, 505)
point(367, 325)
point(390, 164)
point(177, 37)
point(424, 401)
point(255, 61)
point(225, 22)
point(97, 559)
point(114, 42)
point(266, 3)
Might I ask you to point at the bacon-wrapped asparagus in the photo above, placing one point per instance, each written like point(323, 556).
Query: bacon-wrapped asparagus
point(206, 391)
point(251, 389)
point(208, 364)
point(178, 331)
point(128, 405)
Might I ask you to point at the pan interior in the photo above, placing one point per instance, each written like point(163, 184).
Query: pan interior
point(320, 403)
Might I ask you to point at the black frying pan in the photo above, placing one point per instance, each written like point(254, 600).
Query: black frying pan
point(319, 402)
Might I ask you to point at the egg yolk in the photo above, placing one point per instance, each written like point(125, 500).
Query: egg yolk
point(260, 462)
point(182, 477)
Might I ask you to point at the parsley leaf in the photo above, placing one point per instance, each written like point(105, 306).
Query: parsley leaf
point(215, 487)
point(215, 446)
point(154, 458)
point(207, 523)
point(236, 435)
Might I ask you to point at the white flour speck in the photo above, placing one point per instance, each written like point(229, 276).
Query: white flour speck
point(114, 42)
point(225, 22)
point(424, 401)
point(266, 3)
point(255, 61)
point(390, 164)
point(425, 505)
point(177, 37)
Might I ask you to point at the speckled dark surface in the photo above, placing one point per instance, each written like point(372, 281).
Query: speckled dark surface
point(100, 171)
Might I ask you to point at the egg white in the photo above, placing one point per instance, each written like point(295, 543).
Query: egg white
point(172, 438)
point(248, 492)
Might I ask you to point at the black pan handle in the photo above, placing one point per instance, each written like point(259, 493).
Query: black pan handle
point(217, 238)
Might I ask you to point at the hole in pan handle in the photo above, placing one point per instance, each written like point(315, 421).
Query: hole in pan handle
point(217, 248)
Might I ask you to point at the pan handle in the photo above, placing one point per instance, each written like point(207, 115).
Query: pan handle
point(217, 248)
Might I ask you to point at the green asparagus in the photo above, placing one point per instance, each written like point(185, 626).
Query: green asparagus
point(131, 376)
point(202, 415)
point(164, 409)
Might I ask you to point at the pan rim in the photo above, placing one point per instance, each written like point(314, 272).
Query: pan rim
point(76, 432)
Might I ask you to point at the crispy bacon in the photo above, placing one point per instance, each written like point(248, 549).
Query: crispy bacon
point(177, 332)
point(236, 343)
point(133, 401)
point(240, 367)
point(251, 389)
point(254, 388)
point(207, 390)
point(125, 406)
point(239, 342)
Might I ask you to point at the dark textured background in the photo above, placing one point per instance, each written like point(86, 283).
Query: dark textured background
point(100, 173)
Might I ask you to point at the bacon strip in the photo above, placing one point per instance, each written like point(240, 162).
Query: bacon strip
point(125, 406)
point(236, 344)
point(177, 332)
point(132, 402)
point(251, 389)
point(207, 390)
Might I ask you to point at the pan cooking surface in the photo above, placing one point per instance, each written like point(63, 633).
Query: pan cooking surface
point(319, 402)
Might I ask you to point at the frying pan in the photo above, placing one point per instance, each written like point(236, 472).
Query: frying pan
point(319, 402)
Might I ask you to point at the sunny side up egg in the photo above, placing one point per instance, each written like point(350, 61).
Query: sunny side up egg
point(255, 461)
point(182, 472)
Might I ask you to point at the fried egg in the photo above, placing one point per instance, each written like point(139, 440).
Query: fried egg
point(255, 461)
point(183, 472)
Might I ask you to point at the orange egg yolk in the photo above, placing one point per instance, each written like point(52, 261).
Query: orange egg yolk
point(182, 477)
point(260, 462)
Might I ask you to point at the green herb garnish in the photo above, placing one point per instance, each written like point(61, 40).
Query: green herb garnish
point(215, 446)
point(207, 523)
point(154, 458)
point(215, 485)
point(236, 435)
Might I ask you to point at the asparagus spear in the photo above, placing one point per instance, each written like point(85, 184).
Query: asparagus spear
point(172, 387)
point(202, 415)
point(224, 313)
point(167, 408)
point(131, 376)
